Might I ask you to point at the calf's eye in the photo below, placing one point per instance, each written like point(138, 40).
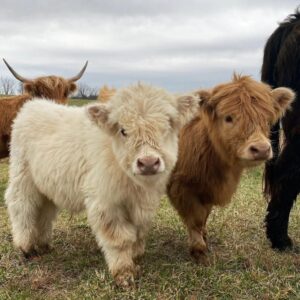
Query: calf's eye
point(228, 119)
point(123, 132)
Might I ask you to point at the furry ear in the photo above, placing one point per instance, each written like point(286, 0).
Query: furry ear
point(187, 106)
point(283, 99)
point(28, 87)
point(98, 113)
point(72, 87)
point(205, 96)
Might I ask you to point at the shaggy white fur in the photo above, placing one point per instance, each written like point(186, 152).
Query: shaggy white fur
point(87, 158)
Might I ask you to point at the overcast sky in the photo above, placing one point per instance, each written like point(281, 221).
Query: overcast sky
point(177, 44)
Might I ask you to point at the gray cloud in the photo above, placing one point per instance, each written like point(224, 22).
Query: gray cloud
point(179, 45)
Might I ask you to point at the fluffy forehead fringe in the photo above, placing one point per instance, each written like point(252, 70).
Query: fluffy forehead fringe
point(50, 82)
point(243, 94)
point(142, 99)
point(244, 97)
point(142, 106)
point(141, 92)
point(242, 85)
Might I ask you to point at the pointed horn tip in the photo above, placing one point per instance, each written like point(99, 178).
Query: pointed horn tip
point(15, 74)
point(5, 62)
point(85, 65)
point(79, 75)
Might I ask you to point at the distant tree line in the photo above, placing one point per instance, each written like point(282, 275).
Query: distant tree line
point(9, 86)
point(84, 91)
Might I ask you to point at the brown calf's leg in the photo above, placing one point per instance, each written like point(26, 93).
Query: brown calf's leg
point(196, 225)
point(4, 147)
point(194, 215)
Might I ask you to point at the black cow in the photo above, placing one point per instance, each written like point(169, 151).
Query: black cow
point(281, 67)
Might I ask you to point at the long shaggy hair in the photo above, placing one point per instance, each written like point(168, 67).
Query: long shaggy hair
point(282, 53)
point(215, 147)
point(51, 87)
point(111, 141)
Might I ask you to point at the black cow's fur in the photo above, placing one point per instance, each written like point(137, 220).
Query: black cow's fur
point(281, 67)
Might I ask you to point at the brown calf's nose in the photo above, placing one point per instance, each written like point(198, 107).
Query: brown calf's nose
point(260, 150)
point(148, 165)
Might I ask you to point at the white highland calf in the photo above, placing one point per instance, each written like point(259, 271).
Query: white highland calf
point(112, 159)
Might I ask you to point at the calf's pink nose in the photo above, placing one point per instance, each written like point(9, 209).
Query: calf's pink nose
point(260, 150)
point(148, 165)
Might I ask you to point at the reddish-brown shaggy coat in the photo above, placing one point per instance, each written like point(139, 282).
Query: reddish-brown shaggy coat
point(215, 147)
point(50, 87)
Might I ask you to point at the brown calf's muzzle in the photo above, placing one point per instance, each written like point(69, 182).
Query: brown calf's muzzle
point(256, 149)
point(260, 151)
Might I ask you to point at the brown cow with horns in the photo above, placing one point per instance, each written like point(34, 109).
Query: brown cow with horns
point(50, 87)
point(230, 133)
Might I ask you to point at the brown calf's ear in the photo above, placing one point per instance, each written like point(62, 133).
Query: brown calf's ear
point(283, 99)
point(187, 106)
point(205, 96)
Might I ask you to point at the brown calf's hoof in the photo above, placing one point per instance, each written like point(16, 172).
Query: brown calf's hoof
point(199, 256)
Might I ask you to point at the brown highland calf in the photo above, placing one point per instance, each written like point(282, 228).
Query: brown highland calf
point(50, 87)
point(105, 93)
point(229, 134)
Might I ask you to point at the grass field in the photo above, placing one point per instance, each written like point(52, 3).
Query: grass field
point(242, 265)
point(80, 102)
point(76, 102)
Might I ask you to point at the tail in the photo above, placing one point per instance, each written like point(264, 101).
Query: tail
point(268, 76)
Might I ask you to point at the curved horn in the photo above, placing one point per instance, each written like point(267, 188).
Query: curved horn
point(19, 77)
point(78, 76)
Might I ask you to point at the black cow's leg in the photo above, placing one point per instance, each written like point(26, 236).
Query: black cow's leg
point(284, 191)
point(277, 218)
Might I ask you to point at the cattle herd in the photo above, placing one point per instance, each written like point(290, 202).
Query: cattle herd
point(117, 157)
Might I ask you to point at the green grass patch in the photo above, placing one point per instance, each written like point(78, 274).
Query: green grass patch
point(242, 265)
point(80, 102)
point(76, 102)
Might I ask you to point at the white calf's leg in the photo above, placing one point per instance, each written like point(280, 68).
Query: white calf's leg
point(116, 236)
point(46, 216)
point(23, 201)
point(139, 248)
point(120, 263)
point(139, 245)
